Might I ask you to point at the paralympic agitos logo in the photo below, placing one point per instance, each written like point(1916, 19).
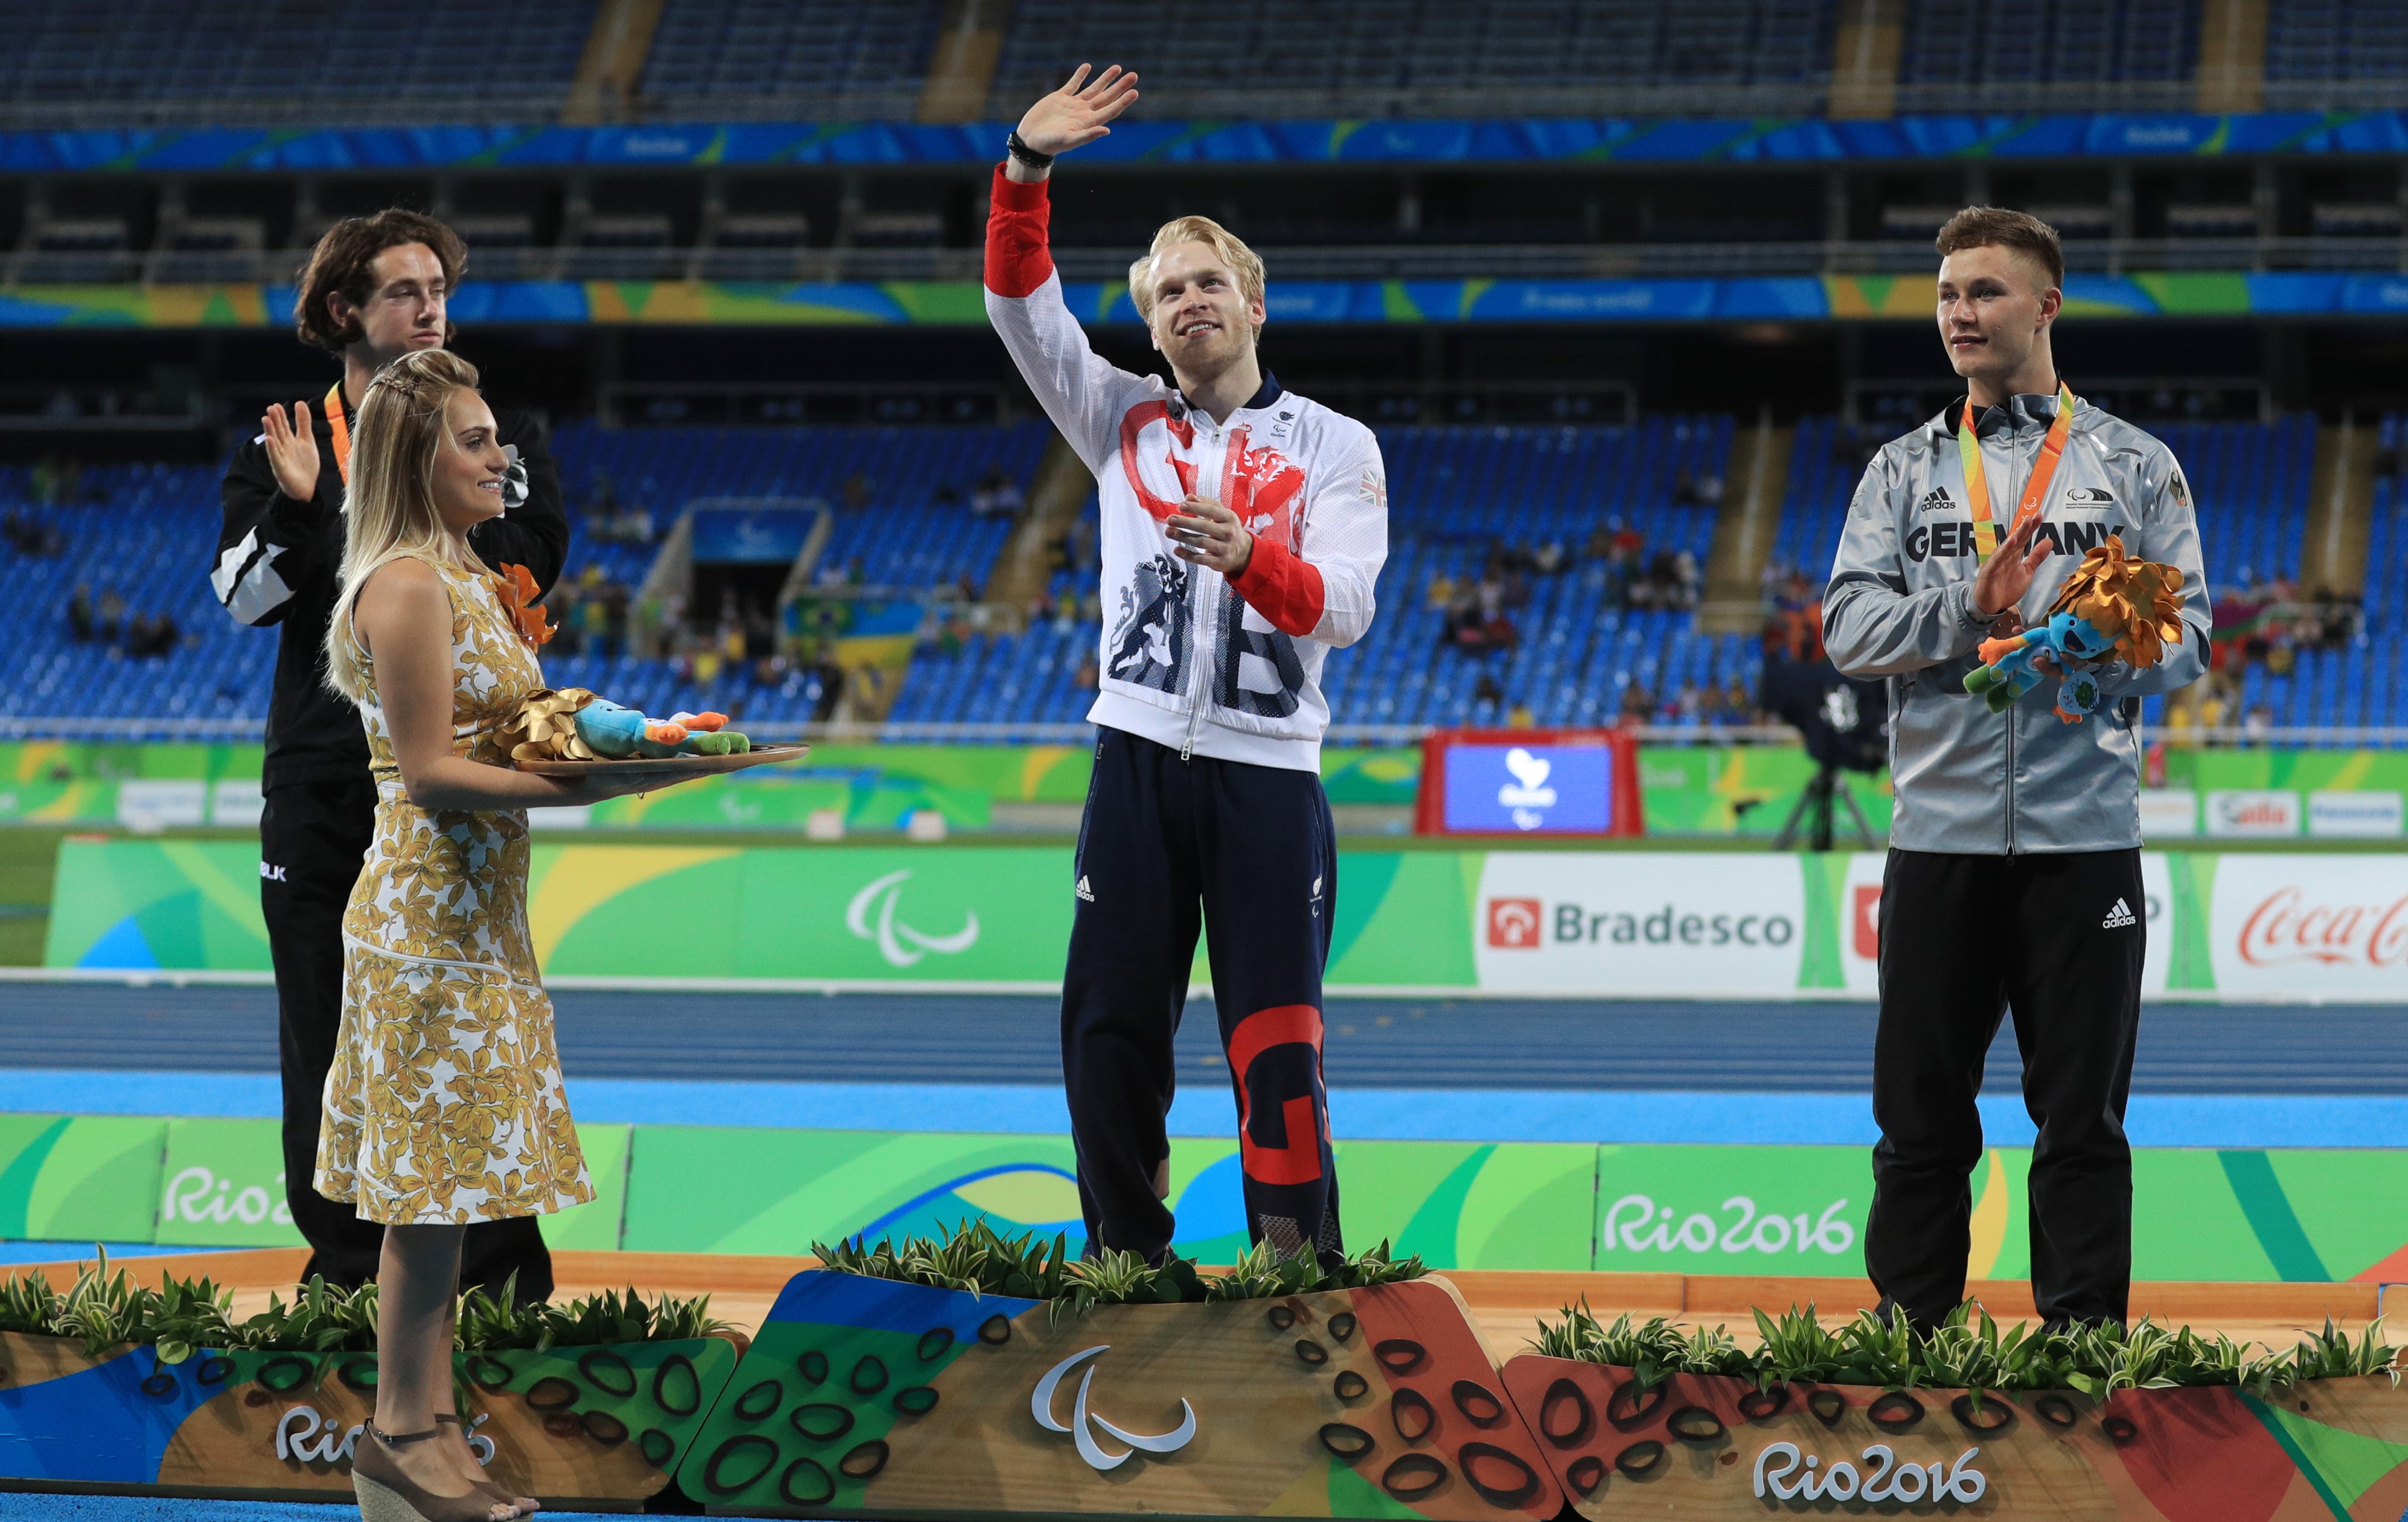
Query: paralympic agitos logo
point(874, 916)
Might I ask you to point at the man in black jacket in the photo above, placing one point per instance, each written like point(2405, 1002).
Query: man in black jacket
point(375, 288)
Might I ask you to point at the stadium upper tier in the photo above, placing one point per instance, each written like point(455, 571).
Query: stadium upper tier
point(1542, 569)
point(215, 60)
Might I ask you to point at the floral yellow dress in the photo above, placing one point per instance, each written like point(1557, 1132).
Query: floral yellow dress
point(444, 1103)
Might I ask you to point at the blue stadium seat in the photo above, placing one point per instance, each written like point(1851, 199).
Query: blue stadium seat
point(796, 49)
point(1455, 493)
point(359, 58)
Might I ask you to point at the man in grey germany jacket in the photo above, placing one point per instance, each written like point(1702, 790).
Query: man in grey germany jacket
point(2014, 880)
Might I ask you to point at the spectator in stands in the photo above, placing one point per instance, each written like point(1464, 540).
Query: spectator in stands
point(84, 624)
point(568, 633)
point(1086, 674)
point(997, 495)
point(1503, 581)
point(375, 288)
point(58, 482)
point(2344, 619)
point(1737, 706)
point(112, 616)
point(615, 598)
point(1487, 697)
point(1638, 703)
point(1441, 591)
point(152, 635)
point(33, 539)
point(828, 677)
point(857, 491)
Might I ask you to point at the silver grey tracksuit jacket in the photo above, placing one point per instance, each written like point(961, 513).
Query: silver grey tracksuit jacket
point(1969, 781)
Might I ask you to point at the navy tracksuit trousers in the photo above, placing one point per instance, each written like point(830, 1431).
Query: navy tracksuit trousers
point(1244, 852)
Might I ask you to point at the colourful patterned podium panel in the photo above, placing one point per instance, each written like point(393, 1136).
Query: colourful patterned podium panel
point(601, 1423)
point(863, 1397)
point(1702, 1448)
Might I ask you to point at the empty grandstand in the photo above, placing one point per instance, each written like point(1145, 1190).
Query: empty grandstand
point(1538, 575)
point(1552, 249)
point(836, 60)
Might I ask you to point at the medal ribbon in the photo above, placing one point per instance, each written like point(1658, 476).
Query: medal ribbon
point(1977, 486)
point(341, 429)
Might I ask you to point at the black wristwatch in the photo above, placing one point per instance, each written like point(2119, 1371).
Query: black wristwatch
point(1025, 154)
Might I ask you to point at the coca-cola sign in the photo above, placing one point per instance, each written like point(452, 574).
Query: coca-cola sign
point(2318, 927)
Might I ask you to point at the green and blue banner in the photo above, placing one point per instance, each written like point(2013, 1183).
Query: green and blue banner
point(2254, 1215)
point(2250, 925)
point(1704, 791)
point(1304, 140)
point(1803, 298)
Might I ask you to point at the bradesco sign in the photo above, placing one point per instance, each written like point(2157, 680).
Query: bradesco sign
point(1624, 923)
point(2328, 926)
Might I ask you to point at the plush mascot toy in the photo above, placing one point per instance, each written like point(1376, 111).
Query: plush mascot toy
point(573, 725)
point(2110, 607)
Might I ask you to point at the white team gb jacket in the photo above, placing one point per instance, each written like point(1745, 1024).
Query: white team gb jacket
point(1204, 664)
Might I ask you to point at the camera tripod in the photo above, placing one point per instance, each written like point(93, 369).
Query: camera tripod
point(1814, 808)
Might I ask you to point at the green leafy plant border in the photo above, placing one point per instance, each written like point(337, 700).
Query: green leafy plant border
point(973, 1256)
point(1966, 1352)
point(104, 1309)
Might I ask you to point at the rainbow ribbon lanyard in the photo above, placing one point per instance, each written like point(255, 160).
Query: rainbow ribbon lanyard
point(341, 429)
point(1977, 486)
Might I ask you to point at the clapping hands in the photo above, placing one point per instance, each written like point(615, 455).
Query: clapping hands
point(292, 450)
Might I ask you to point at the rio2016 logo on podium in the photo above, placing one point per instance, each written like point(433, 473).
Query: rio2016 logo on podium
point(1529, 782)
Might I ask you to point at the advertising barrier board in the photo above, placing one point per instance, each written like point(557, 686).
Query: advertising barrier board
point(2337, 925)
point(2248, 926)
point(1707, 790)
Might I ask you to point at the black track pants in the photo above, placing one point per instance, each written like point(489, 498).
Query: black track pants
point(312, 838)
point(2058, 939)
point(1251, 848)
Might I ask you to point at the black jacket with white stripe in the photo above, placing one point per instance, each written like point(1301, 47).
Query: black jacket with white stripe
point(276, 561)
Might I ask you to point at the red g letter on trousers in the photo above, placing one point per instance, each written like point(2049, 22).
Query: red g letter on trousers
point(1299, 1161)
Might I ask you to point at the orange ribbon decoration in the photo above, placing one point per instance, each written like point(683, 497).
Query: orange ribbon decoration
point(341, 429)
point(515, 585)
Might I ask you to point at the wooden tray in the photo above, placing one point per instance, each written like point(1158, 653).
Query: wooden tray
point(668, 767)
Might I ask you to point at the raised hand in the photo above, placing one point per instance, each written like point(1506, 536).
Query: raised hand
point(1076, 114)
point(2007, 575)
point(292, 450)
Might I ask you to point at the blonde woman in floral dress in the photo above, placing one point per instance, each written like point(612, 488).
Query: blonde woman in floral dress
point(444, 1105)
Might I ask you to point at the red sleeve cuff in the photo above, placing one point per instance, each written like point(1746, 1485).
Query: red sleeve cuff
point(1017, 258)
point(1283, 586)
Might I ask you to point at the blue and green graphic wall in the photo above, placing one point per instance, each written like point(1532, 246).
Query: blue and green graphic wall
point(2243, 1215)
